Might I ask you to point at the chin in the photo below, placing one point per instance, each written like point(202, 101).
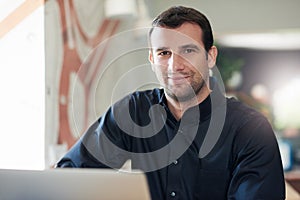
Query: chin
point(181, 96)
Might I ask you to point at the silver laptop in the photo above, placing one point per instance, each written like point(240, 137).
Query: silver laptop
point(72, 184)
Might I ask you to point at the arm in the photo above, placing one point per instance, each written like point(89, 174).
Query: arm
point(101, 146)
point(257, 172)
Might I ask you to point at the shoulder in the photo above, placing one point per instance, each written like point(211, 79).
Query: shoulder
point(239, 107)
point(242, 114)
point(137, 102)
point(154, 95)
point(251, 127)
point(249, 124)
point(141, 98)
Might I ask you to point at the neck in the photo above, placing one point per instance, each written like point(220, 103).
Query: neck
point(179, 107)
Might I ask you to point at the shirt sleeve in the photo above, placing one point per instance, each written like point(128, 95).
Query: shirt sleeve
point(101, 146)
point(258, 172)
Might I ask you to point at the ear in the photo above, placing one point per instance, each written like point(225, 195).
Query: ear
point(212, 56)
point(151, 59)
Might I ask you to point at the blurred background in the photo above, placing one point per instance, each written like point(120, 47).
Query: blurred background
point(65, 61)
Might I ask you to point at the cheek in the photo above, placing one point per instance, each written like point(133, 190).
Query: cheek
point(199, 67)
point(197, 61)
point(157, 70)
point(160, 74)
point(161, 62)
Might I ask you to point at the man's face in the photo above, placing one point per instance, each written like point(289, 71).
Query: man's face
point(180, 61)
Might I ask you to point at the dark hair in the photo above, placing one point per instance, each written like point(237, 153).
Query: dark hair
point(177, 15)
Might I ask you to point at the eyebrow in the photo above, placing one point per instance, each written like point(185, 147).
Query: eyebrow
point(161, 49)
point(193, 46)
point(190, 46)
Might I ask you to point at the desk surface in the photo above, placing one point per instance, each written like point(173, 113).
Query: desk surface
point(291, 194)
point(292, 179)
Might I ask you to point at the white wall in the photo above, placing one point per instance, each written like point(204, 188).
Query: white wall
point(241, 16)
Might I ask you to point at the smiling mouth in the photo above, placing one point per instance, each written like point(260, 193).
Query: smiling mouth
point(179, 79)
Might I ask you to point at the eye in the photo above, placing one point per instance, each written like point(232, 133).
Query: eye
point(190, 50)
point(164, 53)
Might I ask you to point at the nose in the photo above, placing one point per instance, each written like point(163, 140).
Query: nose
point(175, 63)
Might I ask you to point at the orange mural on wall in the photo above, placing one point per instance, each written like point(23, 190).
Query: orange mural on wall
point(72, 64)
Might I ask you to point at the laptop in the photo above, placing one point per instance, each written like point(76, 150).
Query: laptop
point(72, 184)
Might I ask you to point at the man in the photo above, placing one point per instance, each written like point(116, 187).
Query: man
point(191, 141)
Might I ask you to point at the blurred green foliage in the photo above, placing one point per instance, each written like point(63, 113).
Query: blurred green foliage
point(228, 64)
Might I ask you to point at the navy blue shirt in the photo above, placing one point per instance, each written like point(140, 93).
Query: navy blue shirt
point(219, 149)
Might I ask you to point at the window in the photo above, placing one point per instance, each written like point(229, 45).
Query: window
point(22, 85)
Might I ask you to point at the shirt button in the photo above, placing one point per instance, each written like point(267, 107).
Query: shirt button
point(175, 162)
point(173, 194)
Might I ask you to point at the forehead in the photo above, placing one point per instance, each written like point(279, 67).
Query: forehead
point(187, 33)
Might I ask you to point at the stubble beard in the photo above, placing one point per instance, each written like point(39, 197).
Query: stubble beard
point(187, 92)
